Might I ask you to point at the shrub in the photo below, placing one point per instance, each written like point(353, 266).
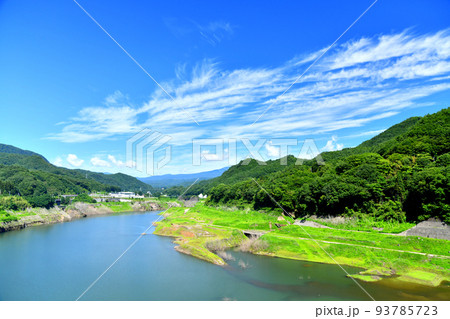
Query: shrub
point(84, 198)
point(44, 201)
point(13, 203)
point(6, 217)
point(390, 211)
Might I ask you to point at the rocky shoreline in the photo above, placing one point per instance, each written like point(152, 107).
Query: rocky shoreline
point(42, 216)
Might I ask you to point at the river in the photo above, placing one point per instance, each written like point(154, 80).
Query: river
point(59, 262)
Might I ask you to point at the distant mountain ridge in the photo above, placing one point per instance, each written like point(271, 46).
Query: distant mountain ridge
point(169, 180)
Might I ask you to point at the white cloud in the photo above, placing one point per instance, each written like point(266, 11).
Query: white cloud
point(114, 161)
point(396, 46)
point(354, 84)
point(96, 161)
point(367, 133)
point(211, 157)
point(272, 151)
point(214, 32)
point(115, 98)
point(58, 161)
point(332, 145)
point(74, 160)
point(119, 163)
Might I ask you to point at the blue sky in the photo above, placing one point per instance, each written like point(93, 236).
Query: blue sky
point(69, 92)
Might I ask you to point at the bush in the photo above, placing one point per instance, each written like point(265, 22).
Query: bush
point(390, 211)
point(13, 203)
point(6, 217)
point(44, 201)
point(84, 198)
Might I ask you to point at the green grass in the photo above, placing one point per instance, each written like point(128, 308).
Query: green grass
point(369, 224)
point(414, 244)
point(166, 199)
point(6, 217)
point(239, 219)
point(421, 277)
point(24, 214)
point(197, 239)
point(366, 278)
point(380, 254)
point(118, 207)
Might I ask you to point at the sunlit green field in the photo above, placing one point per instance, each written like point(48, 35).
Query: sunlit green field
point(202, 230)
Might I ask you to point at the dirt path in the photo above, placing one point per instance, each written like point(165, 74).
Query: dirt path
point(363, 246)
point(428, 229)
point(348, 244)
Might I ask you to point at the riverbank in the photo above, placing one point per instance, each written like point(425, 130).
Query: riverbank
point(41, 216)
point(205, 232)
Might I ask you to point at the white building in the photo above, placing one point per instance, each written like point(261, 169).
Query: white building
point(125, 195)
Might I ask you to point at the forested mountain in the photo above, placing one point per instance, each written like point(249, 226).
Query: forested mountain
point(9, 149)
point(403, 173)
point(250, 168)
point(376, 143)
point(31, 174)
point(243, 170)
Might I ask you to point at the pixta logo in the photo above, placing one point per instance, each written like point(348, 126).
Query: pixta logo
point(144, 151)
point(227, 149)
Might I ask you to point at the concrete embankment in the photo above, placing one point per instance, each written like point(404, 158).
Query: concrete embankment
point(430, 228)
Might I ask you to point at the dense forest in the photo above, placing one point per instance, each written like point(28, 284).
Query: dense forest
point(401, 174)
point(29, 174)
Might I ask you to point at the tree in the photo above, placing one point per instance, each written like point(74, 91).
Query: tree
point(429, 194)
point(84, 198)
point(13, 203)
point(44, 201)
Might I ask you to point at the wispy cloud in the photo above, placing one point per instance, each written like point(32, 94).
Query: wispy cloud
point(73, 160)
point(98, 162)
point(215, 31)
point(272, 151)
point(58, 161)
point(356, 83)
point(212, 32)
point(332, 145)
point(119, 163)
point(367, 133)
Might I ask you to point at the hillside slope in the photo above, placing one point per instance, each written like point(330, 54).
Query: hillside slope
point(400, 174)
point(28, 169)
point(9, 149)
point(376, 143)
point(243, 170)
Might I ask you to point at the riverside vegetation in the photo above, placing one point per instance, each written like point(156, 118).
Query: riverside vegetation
point(29, 174)
point(403, 174)
point(29, 186)
point(17, 213)
point(380, 188)
point(206, 232)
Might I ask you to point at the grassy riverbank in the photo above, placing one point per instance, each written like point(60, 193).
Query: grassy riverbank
point(204, 231)
point(367, 224)
point(16, 220)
